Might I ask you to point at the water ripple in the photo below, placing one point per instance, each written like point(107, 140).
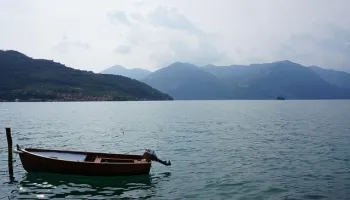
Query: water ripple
point(219, 149)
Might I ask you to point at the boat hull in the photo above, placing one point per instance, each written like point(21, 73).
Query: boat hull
point(35, 163)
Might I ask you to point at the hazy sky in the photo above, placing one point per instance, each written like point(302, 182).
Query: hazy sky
point(94, 35)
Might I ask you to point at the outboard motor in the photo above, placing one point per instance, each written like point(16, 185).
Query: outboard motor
point(151, 155)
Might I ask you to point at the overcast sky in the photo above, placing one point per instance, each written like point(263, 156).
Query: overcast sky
point(94, 35)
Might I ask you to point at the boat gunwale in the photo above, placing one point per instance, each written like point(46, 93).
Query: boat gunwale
point(74, 151)
point(81, 152)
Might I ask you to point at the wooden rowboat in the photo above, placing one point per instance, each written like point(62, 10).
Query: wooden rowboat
point(86, 163)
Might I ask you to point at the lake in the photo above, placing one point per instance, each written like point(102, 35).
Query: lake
point(218, 149)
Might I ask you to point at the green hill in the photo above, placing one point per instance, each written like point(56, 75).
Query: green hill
point(28, 79)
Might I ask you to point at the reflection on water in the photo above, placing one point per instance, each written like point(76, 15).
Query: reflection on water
point(53, 186)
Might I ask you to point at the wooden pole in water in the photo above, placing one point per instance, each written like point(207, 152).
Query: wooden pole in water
point(10, 157)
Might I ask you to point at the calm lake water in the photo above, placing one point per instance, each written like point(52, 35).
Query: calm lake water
point(218, 149)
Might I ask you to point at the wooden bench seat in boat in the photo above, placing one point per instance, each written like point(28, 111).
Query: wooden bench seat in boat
point(117, 160)
point(98, 160)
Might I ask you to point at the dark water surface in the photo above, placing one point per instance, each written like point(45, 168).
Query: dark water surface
point(218, 149)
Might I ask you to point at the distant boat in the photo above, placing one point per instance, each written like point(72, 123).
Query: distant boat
point(86, 163)
point(280, 98)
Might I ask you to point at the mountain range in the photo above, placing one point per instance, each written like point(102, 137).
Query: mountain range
point(28, 79)
point(185, 81)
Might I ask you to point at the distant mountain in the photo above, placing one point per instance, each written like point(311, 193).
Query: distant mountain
point(28, 79)
point(186, 81)
point(225, 72)
point(287, 79)
point(135, 73)
point(256, 81)
point(338, 78)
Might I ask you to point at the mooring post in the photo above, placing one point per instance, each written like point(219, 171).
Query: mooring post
point(10, 157)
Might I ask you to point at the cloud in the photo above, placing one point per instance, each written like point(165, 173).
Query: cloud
point(137, 17)
point(139, 3)
point(313, 32)
point(201, 53)
point(169, 36)
point(171, 18)
point(66, 45)
point(123, 49)
point(118, 17)
point(328, 50)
